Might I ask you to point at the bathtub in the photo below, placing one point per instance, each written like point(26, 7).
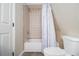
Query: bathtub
point(32, 45)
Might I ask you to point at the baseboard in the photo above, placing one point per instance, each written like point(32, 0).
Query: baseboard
point(21, 53)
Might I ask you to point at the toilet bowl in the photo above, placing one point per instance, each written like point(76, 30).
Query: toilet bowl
point(54, 51)
point(71, 47)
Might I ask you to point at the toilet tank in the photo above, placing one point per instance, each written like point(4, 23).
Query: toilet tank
point(71, 45)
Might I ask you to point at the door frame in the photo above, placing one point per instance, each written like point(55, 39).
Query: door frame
point(13, 29)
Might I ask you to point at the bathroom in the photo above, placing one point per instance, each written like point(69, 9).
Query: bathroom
point(41, 28)
point(62, 14)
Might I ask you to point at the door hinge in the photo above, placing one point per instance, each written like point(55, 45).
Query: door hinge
point(13, 24)
point(12, 53)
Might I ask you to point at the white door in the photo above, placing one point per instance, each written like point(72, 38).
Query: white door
point(5, 29)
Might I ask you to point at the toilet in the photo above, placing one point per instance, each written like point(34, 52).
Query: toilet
point(71, 48)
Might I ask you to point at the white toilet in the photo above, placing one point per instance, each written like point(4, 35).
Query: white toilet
point(71, 48)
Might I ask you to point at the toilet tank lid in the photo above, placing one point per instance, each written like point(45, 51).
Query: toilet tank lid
point(71, 38)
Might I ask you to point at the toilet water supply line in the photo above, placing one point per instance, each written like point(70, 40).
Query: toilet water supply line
point(48, 29)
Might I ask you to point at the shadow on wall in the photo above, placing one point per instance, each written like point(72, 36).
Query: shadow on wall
point(59, 38)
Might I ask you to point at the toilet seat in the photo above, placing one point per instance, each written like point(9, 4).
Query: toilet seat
point(54, 51)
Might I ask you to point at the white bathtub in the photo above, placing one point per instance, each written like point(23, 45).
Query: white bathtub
point(32, 45)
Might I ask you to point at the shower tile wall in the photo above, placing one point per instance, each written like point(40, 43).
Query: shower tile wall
point(35, 23)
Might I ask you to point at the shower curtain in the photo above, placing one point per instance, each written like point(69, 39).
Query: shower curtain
point(48, 29)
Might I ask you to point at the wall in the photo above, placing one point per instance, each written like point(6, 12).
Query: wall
point(67, 17)
point(25, 22)
point(18, 29)
point(67, 20)
point(31, 22)
point(35, 23)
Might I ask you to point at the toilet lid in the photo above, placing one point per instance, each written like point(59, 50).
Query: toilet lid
point(54, 51)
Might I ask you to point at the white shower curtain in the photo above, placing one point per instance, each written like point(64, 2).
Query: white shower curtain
point(48, 29)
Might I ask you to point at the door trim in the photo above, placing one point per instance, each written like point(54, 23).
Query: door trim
point(13, 30)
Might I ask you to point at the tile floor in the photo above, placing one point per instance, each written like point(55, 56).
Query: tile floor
point(33, 54)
